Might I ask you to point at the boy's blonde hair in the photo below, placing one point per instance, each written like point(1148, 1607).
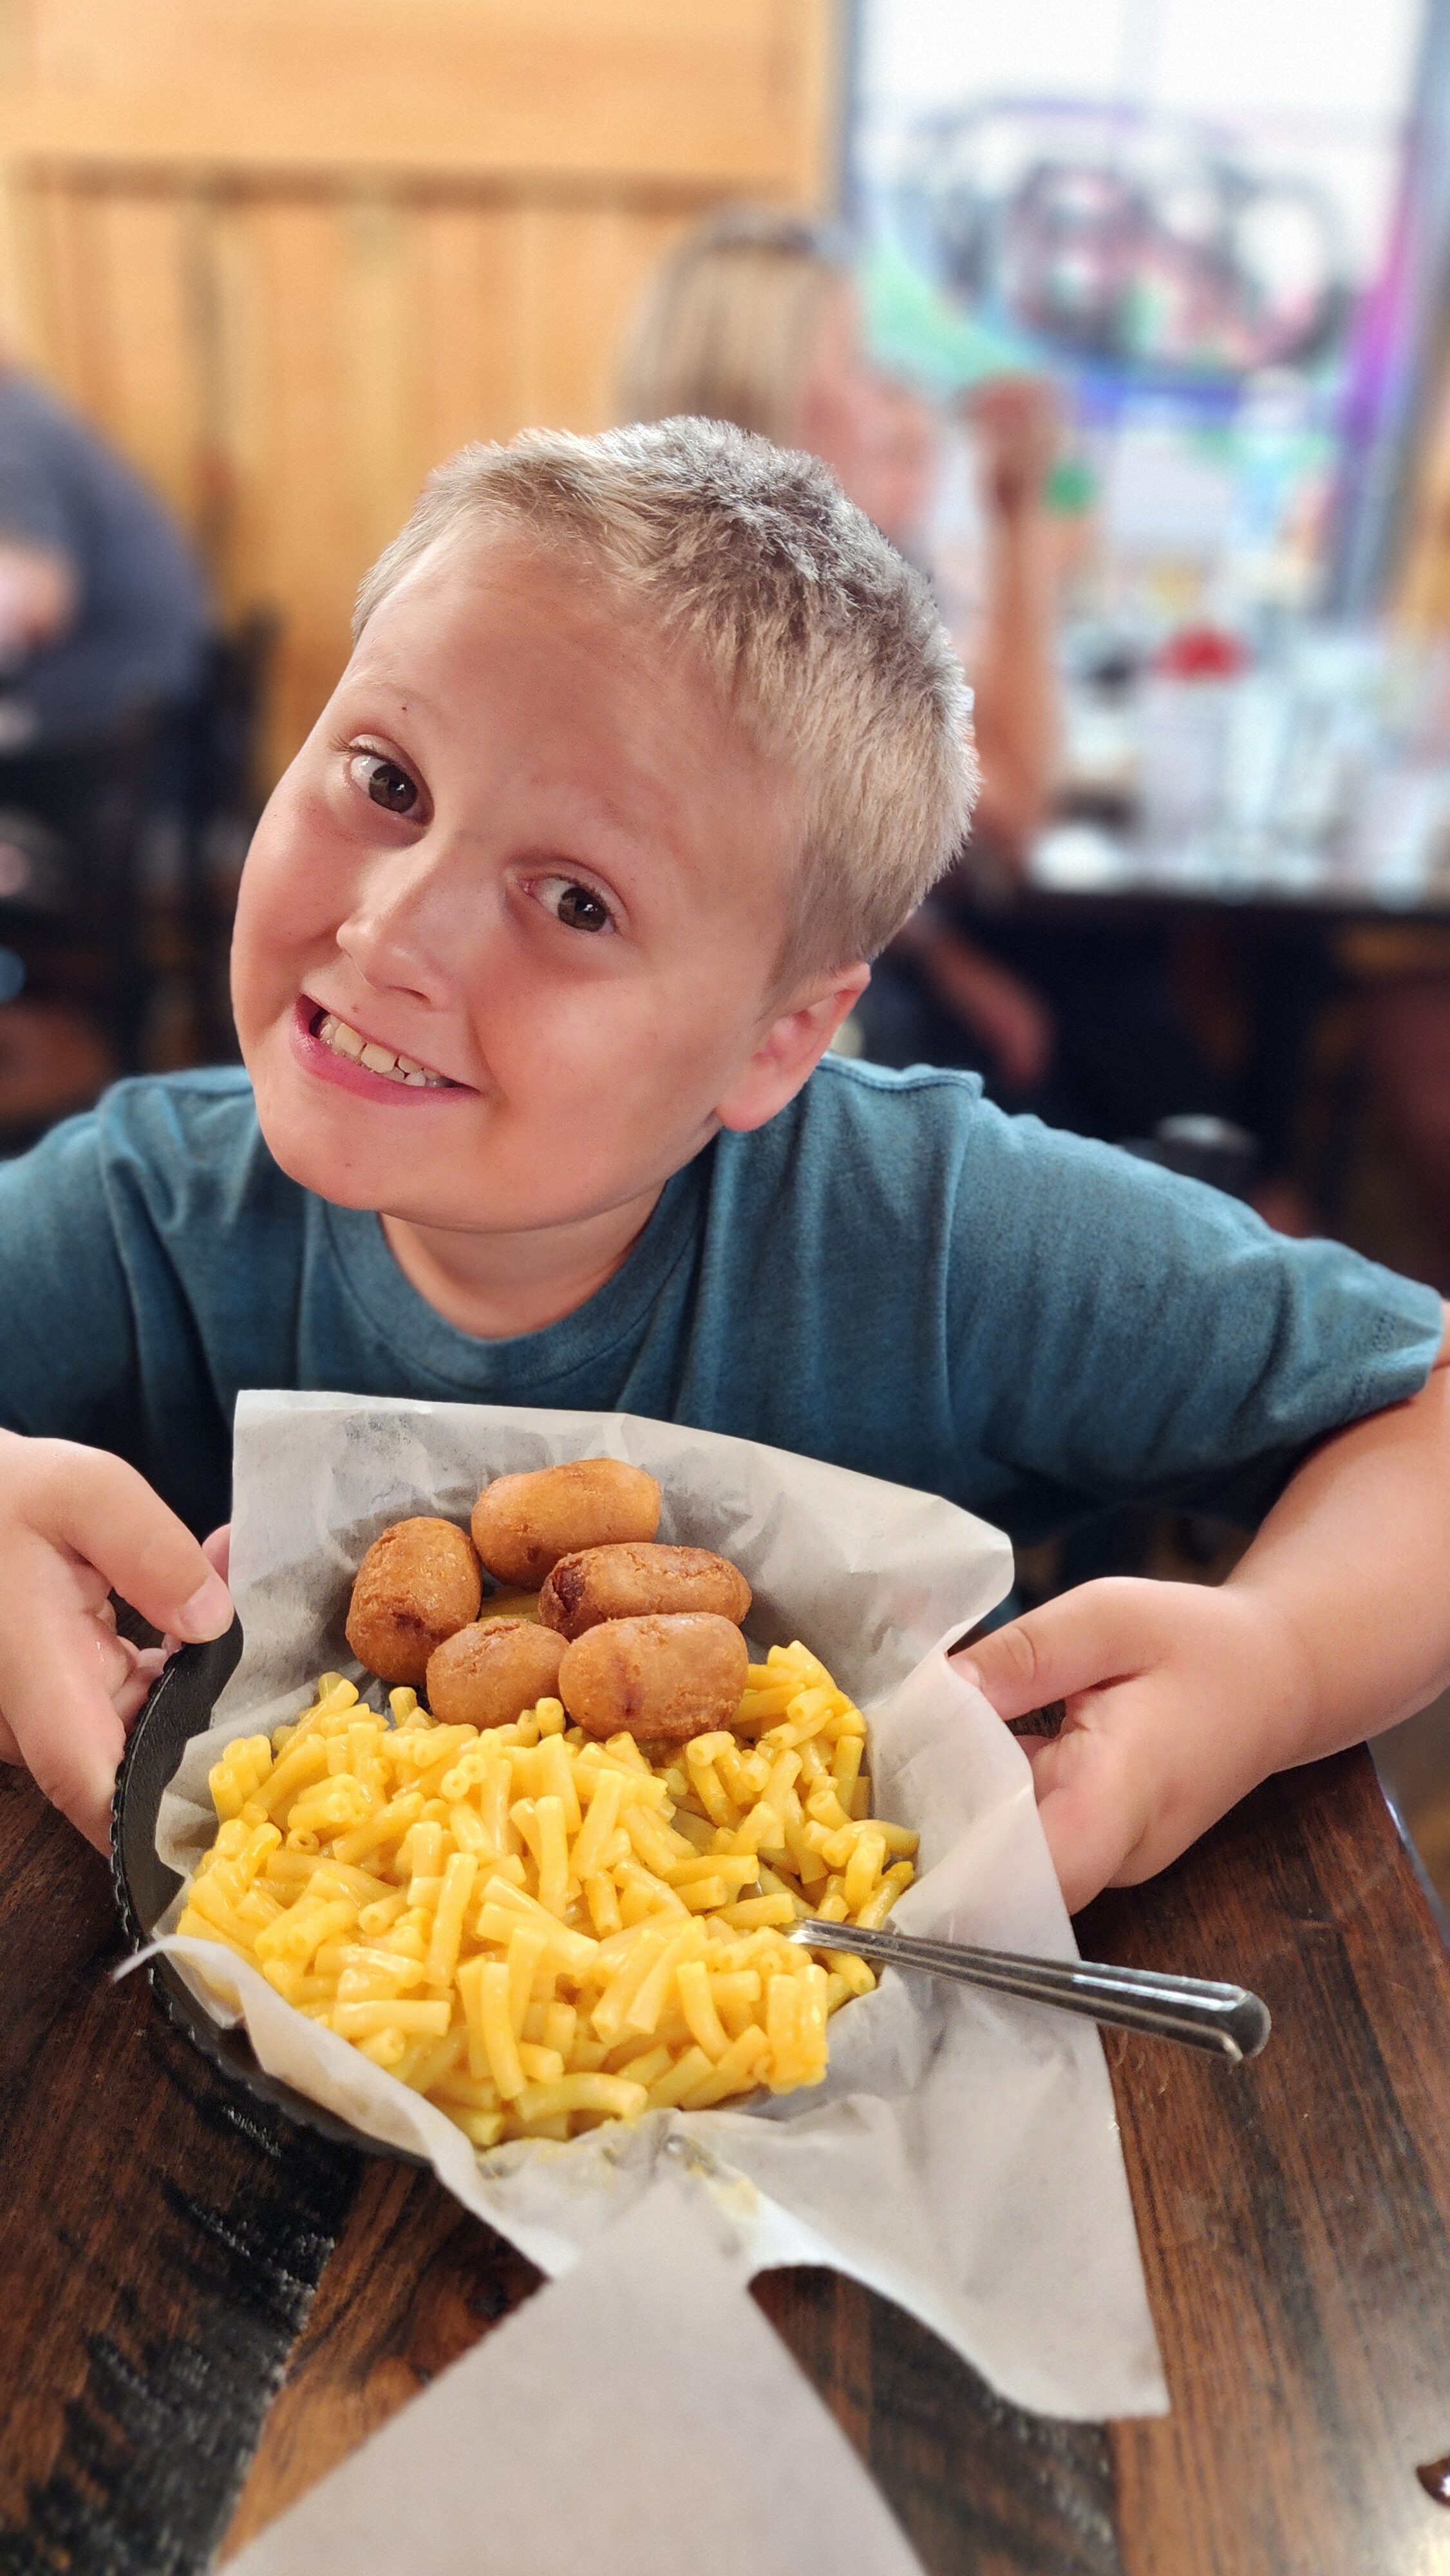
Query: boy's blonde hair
point(824, 645)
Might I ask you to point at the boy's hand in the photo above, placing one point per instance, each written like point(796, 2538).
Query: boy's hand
point(1180, 1698)
point(76, 1524)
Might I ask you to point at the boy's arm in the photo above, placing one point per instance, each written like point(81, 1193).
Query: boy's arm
point(1182, 1697)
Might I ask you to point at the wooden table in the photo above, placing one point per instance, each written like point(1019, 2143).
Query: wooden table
point(204, 2308)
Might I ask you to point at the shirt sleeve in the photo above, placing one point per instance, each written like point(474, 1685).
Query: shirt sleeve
point(151, 1257)
point(33, 507)
point(68, 1345)
point(1120, 1334)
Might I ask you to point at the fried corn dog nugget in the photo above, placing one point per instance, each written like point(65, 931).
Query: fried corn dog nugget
point(522, 1525)
point(417, 1583)
point(488, 1673)
point(661, 1679)
point(632, 1581)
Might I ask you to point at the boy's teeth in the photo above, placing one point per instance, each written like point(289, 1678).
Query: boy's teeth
point(343, 1040)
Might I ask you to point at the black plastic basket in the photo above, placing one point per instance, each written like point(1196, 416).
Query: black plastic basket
point(180, 1707)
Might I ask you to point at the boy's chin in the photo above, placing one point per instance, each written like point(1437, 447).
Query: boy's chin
point(345, 1180)
point(353, 1172)
point(310, 1143)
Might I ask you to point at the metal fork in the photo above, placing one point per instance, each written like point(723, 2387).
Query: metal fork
point(1226, 2020)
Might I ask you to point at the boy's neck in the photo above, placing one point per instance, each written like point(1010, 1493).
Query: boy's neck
point(495, 1286)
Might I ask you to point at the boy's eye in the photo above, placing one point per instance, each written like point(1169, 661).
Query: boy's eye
point(577, 906)
point(387, 784)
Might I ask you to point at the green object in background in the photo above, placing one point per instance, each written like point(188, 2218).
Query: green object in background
point(1071, 488)
point(913, 330)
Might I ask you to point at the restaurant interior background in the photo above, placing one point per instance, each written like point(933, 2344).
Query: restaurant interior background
point(286, 257)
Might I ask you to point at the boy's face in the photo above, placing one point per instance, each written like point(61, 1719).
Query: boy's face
point(525, 851)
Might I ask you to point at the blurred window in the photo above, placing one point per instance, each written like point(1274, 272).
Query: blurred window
point(1180, 207)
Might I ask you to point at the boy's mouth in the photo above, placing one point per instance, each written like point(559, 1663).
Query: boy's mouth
point(331, 1046)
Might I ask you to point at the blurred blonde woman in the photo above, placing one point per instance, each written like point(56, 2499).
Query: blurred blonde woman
point(754, 318)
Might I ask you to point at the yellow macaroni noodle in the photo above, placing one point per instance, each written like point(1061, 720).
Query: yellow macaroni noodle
point(540, 1931)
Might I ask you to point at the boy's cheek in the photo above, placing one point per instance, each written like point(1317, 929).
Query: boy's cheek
point(286, 921)
point(256, 966)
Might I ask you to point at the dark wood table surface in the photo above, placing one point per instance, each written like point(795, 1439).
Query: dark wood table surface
point(205, 2308)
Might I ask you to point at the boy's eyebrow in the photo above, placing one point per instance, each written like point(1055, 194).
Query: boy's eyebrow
point(599, 811)
point(600, 817)
point(406, 695)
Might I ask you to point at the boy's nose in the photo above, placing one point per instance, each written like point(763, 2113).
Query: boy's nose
point(405, 932)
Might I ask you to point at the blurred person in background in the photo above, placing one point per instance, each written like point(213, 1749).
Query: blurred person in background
point(102, 608)
point(103, 631)
point(755, 318)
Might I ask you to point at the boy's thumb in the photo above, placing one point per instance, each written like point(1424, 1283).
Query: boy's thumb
point(1070, 1644)
point(97, 1507)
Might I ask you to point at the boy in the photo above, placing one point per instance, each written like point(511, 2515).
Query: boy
point(647, 745)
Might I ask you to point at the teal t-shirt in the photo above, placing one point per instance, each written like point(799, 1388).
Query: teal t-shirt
point(891, 1275)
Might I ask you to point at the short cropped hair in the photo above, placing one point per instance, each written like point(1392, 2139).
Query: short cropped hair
point(825, 646)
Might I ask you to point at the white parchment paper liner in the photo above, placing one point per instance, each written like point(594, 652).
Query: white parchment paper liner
point(545, 2452)
point(962, 2156)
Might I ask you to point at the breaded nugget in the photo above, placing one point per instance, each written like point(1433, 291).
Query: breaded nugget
point(488, 1673)
point(415, 1586)
point(634, 1581)
point(522, 1525)
point(662, 1679)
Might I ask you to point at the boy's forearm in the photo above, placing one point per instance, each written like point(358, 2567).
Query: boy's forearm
point(1352, 1561)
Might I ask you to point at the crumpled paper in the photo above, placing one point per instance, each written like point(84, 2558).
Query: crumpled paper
point(638, 2418)
point(962, 2155)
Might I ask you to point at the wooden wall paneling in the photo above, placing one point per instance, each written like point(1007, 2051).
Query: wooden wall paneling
point(233, 237)
point(214, 260)
point(714, 93)
point(598, 265)
point(22, 265)
point(18, 261)
point(582, 287)
point(152, 354)
point(379, 360)
point(308, 511)
point(466, 325)
point(67, 345)
point(808, 74)
point(515, 308)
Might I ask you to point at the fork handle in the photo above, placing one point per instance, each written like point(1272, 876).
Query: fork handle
point(1226, 2020)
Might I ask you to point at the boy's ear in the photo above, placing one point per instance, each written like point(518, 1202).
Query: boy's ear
point(791, 1048)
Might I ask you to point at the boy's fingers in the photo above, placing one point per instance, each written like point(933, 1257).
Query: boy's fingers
point(1088, 1840)
point(101, 1511)
point(1092, 1804)
point(1081, 1639)
point(65, 1726)
point(217, 1549)
point(132, 1696)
